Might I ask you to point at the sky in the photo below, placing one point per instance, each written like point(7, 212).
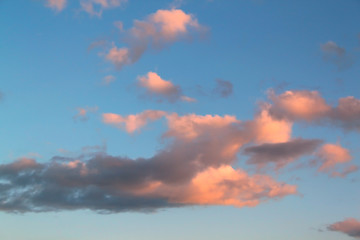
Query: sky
point(183, 119)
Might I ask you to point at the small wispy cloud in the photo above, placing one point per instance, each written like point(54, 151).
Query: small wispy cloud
point(82, 113)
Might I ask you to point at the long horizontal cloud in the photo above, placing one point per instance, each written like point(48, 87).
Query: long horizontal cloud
point(156, 31)
point(309, 106)
point(161, 89)
point(280, 154)
point(193, 169)
point(350, 227)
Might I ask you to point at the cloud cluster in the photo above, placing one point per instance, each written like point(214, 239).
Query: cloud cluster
point(156, 87)
point(193, 169)
point(350, 227)
point(304, 105)
point(156, 31)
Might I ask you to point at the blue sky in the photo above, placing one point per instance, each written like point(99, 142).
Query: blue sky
point(219, 119)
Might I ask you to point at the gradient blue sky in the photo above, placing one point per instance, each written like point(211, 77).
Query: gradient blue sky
point(49, 71)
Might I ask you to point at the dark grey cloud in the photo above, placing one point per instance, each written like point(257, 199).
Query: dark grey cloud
point(280, 154)
point(223, 88)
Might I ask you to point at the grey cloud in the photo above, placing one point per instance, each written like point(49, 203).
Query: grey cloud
point(337, 55)
point(223, 88)
point(280, 154)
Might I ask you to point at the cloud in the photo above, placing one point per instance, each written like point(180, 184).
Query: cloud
point(280, 154)
point(192, 169)
point(132, 123)
point(337, 55)
point(267, 129)
point(57, 5)
point(96, 7)
point(295, 106)
point(223, 88)
point(108, 79)
point(161, 89)
point(332, 155)
point(83, 113)
point(156, 31)
point(1, 96)
point(350, 227)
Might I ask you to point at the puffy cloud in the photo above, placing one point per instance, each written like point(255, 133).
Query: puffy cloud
point(162, 89)
point(83, 113)
point(298, 105)
point(350, 227)
point(192, 126)
point(132, 123)
point(309, 106)
point(228, 186)
point(223, 88)
point(267, 129)
point(332, 155)
point(336, 55)
point(157, 31)
point(280, 154)
point(96, 7)
point(108, 79)
point(57, 5)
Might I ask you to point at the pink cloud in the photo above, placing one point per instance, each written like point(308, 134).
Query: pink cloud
point(132, 123)
point(96, 7)
point(118, 56)
point(57, 5)
point(83, 113)
point(227, 186)
point(311, 107)
point(192, 126)
point(159, 88)
point(156, 31)
point(350, 227)
point(296, 105)
point(332, 155)
point(267, 129)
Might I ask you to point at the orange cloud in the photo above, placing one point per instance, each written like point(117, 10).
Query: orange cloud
point(132, 123)
point(228, 186)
